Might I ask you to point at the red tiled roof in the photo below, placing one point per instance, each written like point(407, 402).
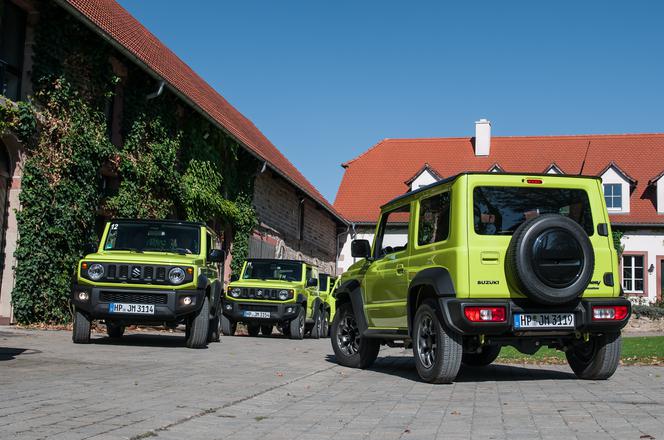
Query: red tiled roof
point(114, 23)
point(378, 175)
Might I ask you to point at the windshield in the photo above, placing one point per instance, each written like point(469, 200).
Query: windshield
point(273, 270)
point(156, 237)
point(500, 210)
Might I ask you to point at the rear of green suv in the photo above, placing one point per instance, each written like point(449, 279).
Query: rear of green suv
point(479, 261)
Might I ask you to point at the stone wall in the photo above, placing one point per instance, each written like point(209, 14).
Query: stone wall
point(294, 223)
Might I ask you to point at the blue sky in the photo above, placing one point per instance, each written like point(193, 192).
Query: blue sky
point(325, 80)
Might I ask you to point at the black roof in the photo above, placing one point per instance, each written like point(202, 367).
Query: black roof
point(468, 173)
point(279, 260)
point(170, 221)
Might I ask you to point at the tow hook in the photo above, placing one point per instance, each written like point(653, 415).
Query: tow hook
point(481, 340)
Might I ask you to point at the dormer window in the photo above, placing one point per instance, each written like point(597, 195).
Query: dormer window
point(617, 186)
point(495, 168)
point(613, 195)
point(553, 169)
point(423, 177)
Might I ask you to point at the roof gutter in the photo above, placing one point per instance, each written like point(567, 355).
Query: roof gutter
point(114, 43)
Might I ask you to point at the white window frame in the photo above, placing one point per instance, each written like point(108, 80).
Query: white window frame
point(632, 269)
point(612, 196)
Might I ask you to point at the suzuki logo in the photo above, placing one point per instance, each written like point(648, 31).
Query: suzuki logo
point(259, 293)
point(136, 272)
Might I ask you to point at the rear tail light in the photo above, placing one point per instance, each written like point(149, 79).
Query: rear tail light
point(609, 313)
point(485, 314)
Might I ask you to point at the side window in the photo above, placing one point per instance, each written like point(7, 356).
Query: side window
point(308, 277)
point(209, 244)
point(393, 232)
point(434, 224)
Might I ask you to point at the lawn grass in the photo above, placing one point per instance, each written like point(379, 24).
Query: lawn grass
point(641, 350)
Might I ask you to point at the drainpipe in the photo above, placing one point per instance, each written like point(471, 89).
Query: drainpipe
point(153, 95)
point(336, 255)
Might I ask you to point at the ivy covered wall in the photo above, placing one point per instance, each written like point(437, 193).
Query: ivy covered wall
point(167, 161)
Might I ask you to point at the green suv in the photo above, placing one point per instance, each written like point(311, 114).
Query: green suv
point(478, 261)
point(272, 292)
point(151, 272)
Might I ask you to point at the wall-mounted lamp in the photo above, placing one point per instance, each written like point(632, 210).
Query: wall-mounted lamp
point(651, 268)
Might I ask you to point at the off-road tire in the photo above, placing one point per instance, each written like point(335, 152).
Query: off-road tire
point(114, 330)
point(228, 327)
point(296, 326)
point(214, 330)
point(317, 328)
point(437, 349)
point(485, 357)
point(326, 325)
point(597, 359)
point(266, 330)
point(350, 348)
point(522, 267)
point(198, 325)
point(81, 328)
point(253, 329)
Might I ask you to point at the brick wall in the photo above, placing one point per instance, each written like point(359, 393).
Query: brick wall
point(277, 204)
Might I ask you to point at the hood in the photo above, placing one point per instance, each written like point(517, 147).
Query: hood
point(273, 284)
point(165, 258)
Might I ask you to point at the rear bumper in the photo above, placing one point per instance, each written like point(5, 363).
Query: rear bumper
point(453, 315)
point(279, 312)
point(169, 307)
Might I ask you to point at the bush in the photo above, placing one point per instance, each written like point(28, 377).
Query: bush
point(652, 312)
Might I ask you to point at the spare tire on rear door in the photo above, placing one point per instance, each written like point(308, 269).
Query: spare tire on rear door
point(550, 259)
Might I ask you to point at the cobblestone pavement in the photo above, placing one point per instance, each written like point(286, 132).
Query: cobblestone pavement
point(151, 386)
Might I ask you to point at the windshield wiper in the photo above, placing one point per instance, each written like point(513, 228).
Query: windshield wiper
point(138, 251)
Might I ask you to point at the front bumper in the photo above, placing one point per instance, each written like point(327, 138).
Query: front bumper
point(454, 317)
point(279, 312)
point(168, 304)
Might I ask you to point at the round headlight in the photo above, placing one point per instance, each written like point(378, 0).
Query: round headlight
point(235, 292)
point(176, 275)
point(283, 295)
point(96, 271)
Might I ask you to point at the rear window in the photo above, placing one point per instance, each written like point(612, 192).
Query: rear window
point(499, 210)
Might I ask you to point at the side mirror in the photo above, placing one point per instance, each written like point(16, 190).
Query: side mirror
point(312, 282)
point(216, 256)
point(360, 249)
point(90, 248)
point(234, 277)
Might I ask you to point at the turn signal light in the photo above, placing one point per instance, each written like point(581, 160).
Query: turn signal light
point(84, 266)
point(609, 313)
point(485, 314)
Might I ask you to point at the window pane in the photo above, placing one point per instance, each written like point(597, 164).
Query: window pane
point(638, 285)
point(617, 189)
point(627, 285)
point(393, 234)
point(500, 210)
point(638, 261)
point(434, 224)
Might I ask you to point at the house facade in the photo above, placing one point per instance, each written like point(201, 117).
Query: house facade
point(631, 167)
point(294, 219)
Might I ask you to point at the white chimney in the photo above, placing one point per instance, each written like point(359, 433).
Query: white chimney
point(482, 137)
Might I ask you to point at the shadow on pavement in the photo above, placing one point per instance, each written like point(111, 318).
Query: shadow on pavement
point(8, 353)
point(404, 367)
point(144, 340)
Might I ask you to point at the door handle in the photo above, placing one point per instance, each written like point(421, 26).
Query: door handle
point(400, 269)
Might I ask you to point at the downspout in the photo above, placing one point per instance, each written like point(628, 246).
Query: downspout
point(336, 255)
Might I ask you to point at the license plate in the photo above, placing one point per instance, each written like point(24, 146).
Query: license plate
point(253, 314)
point(543, 320)
point(140, 309)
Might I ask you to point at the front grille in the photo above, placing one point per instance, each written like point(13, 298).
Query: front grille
point(259, 293)
point(134, 298)
point(258, 307)
point(138, 274)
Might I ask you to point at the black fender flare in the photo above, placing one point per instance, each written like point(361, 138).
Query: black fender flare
point(353, 290)
point(440, 280)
